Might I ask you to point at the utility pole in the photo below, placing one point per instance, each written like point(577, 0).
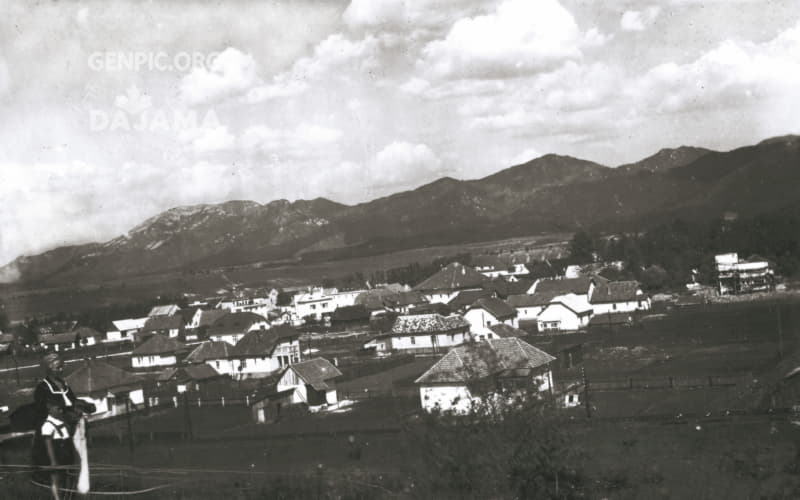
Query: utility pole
point(586, 393)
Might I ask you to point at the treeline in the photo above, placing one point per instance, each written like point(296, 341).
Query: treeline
point(410, 274)
point(665, 255)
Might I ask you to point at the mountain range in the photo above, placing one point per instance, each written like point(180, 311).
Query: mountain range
point(547, 194)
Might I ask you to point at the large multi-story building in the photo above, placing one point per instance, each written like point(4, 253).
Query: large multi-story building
point(743, 276)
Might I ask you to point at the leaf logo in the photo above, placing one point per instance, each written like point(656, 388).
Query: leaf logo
point(134, 101)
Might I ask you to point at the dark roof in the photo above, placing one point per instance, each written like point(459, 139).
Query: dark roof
point(96, 376)
point(351, 313)
point(533, 300)
point(209, 350)
point(187, 314)
point(401, 299)
point(482, 359)
point(615, 291)
point(428, 323)
point(263, 342)
point(495, 307)
point(155, 323)
point(67, 337)
point(315, 372)
point(503, 330)
point(454, 276)
point(166, 374)
point(85, 332)
point(610, 319)
point(467, 297)
point(158, 344)
point(504, 288)
point(578, 286)
point(199, 372)
point(372, 299)
point(210, 316)
point(435, 308)
point(233, 323)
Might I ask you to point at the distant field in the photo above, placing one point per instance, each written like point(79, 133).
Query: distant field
point(22, 302)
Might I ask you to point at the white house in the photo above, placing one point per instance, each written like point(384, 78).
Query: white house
point(619, 296)
point(495, 266)
point(312, 381)
point(444, 285)
point(107, 387)
point(124, 329)
point(426, 333)
point(486, 312)
point(582, 286)
point(79, 337)
point(170, 326)
point(259, 302)
point(568, 312)
point(263, 352)
point(232, 327)
point(156, 350)
point(214, 354)
point(315, 303)
point(451, 383)
point(528, 306)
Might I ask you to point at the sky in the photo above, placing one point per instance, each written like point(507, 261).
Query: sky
point(111, 112)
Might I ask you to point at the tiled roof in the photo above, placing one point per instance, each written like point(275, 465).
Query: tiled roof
point(210, 316)
point(156, 323)
point(533, 300)
point(467, 297)
point(209, 350)
point(495, 307)
point(578, 286)
point(401, 299)
point(503, 330)
point(96, 376)
point(199, 372)
point(454, 276)
point(428, 323)
point(263, 342)
point(315, 372)
point(615, 291)
point(578, 305)
point(158, 344)
point(504, 288)
point(234, 323)
point(492, 357)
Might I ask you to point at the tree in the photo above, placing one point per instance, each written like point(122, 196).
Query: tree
point(581, 248)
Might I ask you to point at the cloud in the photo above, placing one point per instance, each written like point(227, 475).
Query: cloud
point(231, 72)
point(638, 20)
point(207, 139)
point(524, 156)
point(520, 37)
point(402, 161)
point(304, 141)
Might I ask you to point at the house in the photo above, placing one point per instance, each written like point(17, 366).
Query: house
point(568, 312)
point(260, 302)
point(122, 330)
point(164, 310)
point(464, 299)
point(494, 266)
point(528, 306)
point(232, 327)
point(350, 315)
point(504, 288)
point(262, 352)
point(453, 278)
point(157, 350)
point(58, 342)
point(736, 276)
point(6, 341)
point(315, 303)
point(427, 333)
point(108, 387)
point(404, 302)
point(204, 319)
point(189, 378)
point(169, 326)
point(213, 353)
point(312, 381)
point(618, 296)
point(610, 321)
point(451, 383)
point(486, 312)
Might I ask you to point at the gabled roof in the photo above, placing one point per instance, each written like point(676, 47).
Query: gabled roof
point(402, 299)
point(209, 316)
point(428, 323)
point(351, 313)
point(235, 323)
point(610, 319)
point(466, 298)
point(156, 323)
point(263, 342)
point(574, 303)
point(492, 357)
point(199, 372)
point(533, 300)
point(315, 372)
point(454, 276)
point(209, 350)
point(496, 307)
point(616, 291)
point(164, 310)
point(158, 344)
point(128, 324)
point(96, 376)
point(503, 330)
point(504, 288)
point(187, 314)
point(578, 286)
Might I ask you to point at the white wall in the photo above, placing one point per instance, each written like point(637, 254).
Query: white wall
point(567, 319)
point(642, 304)
point(401, 342)
point(232, 339)
point(480, 319)
point(440, 297)
point(447, 397)
point(528, 313)
point(155, 360)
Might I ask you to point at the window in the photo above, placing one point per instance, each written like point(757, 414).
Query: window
point(614, 307)
point(413, 340)
point(313, 307)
